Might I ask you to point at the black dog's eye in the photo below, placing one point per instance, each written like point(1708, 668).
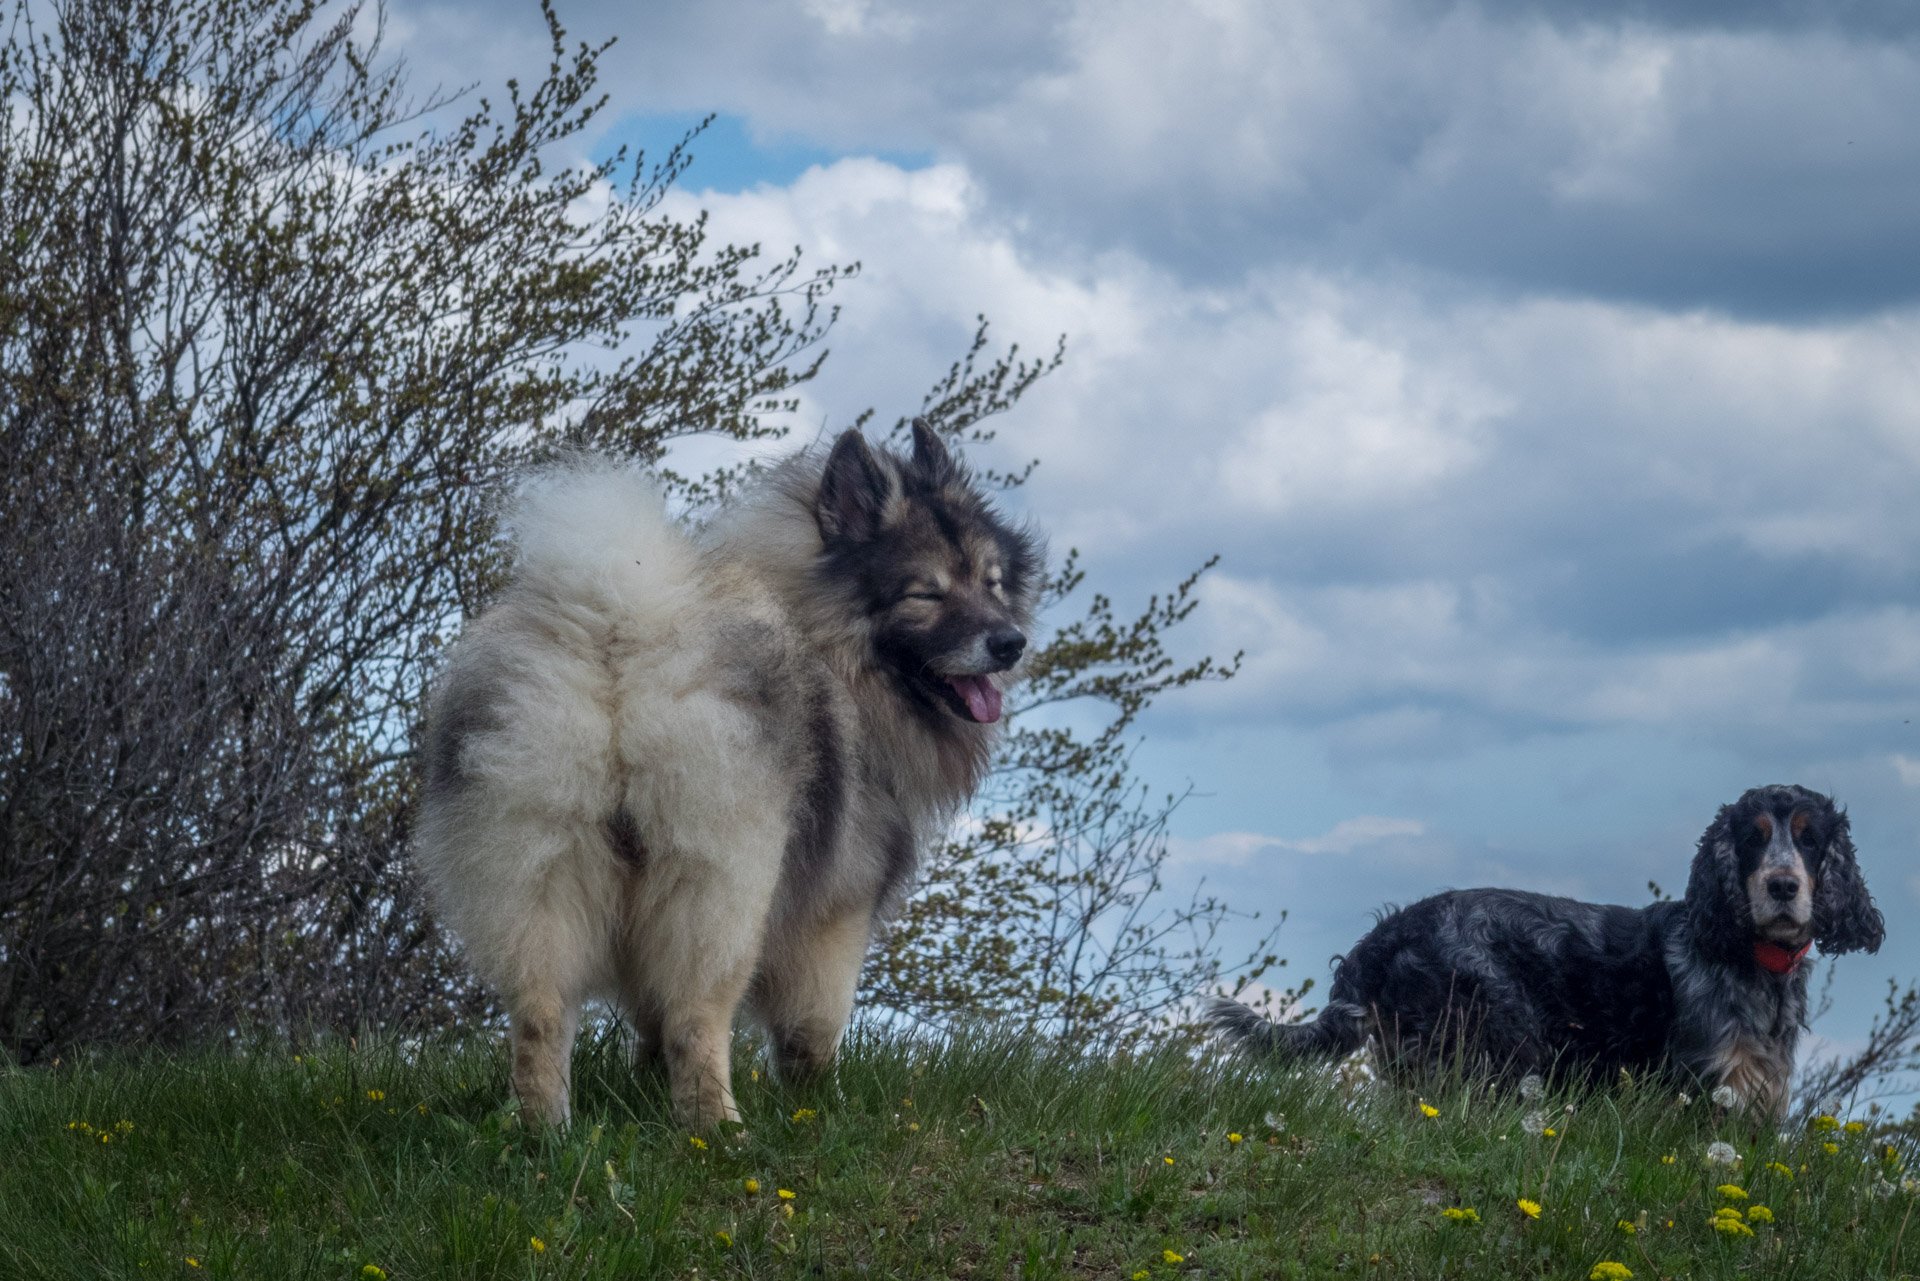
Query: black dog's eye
point(934, 596)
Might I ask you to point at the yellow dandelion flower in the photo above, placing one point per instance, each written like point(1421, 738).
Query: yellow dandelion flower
point(805, 1114)
point(1168, 1256)
point(1732, 1192)
point(1141, 1275)
point(105, 1137)
point(722, 1237)
point(192, 1262)
point(1427, 1109)
point(784, 1195)
point(914, 1126)
point(1777, 1168)
point(755, 1074)
point(1855, 1127)
point(1831, 1149)
point(699, 1144)
point(536, 1245)
point(1233, 1138)
point(906, 1103)
point(1759, 1214)
point(753, 1185)
point(1529, 1208)
point(1167, 1159)
point(1608, 1270)
point(373, 1273)
point(1825, 1123)
point(1730, 1227)
point(1667, 1160)
point(1627, 1226)
point(1550, 1132)
point(1461, 1214)
point(376, 1095)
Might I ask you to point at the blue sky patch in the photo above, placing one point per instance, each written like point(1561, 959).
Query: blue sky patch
point(727, 158)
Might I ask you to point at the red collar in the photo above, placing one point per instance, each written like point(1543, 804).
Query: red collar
point(1772, 956)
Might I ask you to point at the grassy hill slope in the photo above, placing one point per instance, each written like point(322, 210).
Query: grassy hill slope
point(985, 1156)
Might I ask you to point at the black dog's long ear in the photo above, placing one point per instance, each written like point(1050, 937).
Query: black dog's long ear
point(1844, 917)
point(854, 491)
point(1717, 911)
point(930, 456)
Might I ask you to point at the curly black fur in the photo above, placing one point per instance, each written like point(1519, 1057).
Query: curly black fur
point(1525, 982)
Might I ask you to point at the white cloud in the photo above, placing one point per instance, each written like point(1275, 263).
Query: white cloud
point(1363, 424)
point(1535, 512)
point(1907, 768)
point(1237, 849)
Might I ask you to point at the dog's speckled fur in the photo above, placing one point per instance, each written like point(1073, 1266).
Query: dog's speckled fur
point(685, 773)
point(1525, 982)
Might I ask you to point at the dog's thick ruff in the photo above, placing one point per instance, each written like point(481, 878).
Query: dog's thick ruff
point(1525, 982)
point(683, 773)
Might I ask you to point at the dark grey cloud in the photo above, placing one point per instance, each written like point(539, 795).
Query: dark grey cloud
point(1767, 172)
point(1755, 158)
point(1878, 19)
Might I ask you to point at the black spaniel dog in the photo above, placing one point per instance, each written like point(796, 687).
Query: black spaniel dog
point(1712, 986)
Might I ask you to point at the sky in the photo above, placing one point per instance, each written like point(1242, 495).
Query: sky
point(1546, 377)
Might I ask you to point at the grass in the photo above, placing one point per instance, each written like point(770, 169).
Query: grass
point(982, 1156)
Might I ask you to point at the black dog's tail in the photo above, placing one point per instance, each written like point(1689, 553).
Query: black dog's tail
point(1339, 1030)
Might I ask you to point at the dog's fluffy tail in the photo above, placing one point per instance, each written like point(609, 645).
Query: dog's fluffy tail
point(589, 530)
point(1338, 1030)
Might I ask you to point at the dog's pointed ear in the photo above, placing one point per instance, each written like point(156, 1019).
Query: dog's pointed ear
point(1717, 911)
point(854, 491)
point(930, 456)
point(1844, 917)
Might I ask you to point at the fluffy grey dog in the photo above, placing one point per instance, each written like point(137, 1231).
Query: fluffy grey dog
point(685, 772)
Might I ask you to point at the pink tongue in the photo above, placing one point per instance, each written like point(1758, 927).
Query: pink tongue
point(982, 695)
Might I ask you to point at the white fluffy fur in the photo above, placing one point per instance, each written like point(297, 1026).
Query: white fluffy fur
point(634, 670)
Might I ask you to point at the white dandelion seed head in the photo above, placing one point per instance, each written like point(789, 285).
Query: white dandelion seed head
point(1531, 1086)
point(1684, 1100)
point(1882, 1188)
point(1721, 1154)
point(1726, 1096)
point(1534, 1123)
point(1276, 1122)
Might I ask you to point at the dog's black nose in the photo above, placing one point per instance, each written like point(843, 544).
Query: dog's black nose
point(1783, 888)
point(1006, 645)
